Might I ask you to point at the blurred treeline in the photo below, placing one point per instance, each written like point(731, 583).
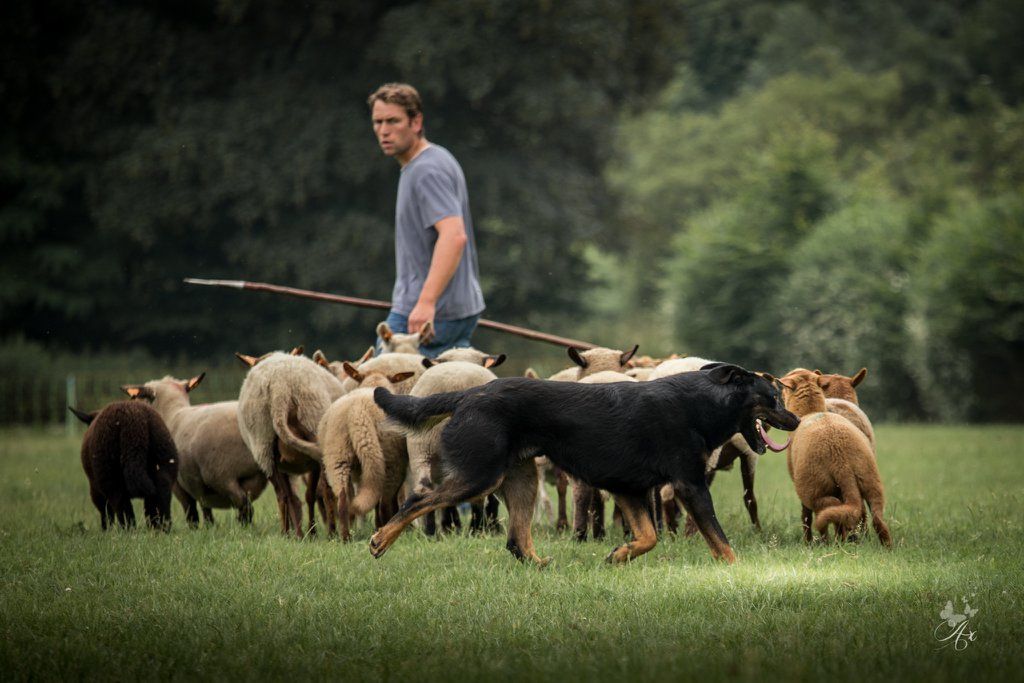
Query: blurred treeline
point(822, 184)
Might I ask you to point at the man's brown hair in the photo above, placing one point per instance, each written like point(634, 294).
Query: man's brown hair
point(402, 94)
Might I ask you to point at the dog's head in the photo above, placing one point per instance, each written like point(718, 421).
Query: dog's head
point(761, 402)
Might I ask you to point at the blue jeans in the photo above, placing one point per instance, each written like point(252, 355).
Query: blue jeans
point(448, 334)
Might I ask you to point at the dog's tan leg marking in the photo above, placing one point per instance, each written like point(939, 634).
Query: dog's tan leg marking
point(520, 493)
point(644, 535)
point(718, 545)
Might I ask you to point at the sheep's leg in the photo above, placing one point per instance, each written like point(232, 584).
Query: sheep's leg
point(635, 514)
point(582, 503)
point(476, 516)
point(125, 512)
point(747, 467)
point(821, 527)
point(807, 518)
point(491, 513)
point(328, 505)
point(696, 500)
point(188, 504)
point(520, 493)
point(670, 510)
point(597, 509)
point(430, 523)
point(158, 510)
point(312, 481)
point(240, 500)
point(344, 496)
point(100, 501)
point(287, 502)
point(207, 516)
point(562, 488)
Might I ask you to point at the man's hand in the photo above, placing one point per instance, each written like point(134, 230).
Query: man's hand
point(421, 314)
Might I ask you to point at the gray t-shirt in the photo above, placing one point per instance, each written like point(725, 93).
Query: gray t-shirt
point(432, 187)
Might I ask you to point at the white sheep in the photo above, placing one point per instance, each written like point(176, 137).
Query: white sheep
point(280, 405)
point(215, 467)
point(397, 342)
point(390, 364)
point(594, 360)
point(357, 450)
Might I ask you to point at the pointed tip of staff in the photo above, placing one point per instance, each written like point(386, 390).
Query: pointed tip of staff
point(238, 284)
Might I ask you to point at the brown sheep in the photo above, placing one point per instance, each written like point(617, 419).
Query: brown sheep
point(841, 398)
point(832, 465)
point(127, 452)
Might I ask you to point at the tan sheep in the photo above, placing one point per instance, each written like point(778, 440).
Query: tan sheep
point(592, 361)
point(390, 364)
point(356, 450)
point(215, 467)
point(832, 465)
point(841, 398)
point(280, 405)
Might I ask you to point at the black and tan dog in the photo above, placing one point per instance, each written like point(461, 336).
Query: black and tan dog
point(624, 437)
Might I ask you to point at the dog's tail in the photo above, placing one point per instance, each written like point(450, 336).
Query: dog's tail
point(419, 413)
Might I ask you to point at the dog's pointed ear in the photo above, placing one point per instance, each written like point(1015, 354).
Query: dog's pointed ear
point(624, 358)
point(428, 363)
point(384, 332)
point(352, 372)
point(426, 332)
point(249, 361)
point(494, 361)
point(194, 382)
point(859, 377)
point(85, 417)
point(725, 373)
point(400, 377)
point(297, 351)
point(574, 355)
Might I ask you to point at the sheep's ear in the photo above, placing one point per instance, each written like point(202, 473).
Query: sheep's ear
point(579, 360)
point(859, 377)
point(531, 373)
point(366, 356)
point(624, 358)
point(194, 382)
point(384, 332)
point(320, 359)
point(768, 377)
point(817, 372)
point(494, 361)
point(427, 332)
point(248, 360)
point(428, 363)
point(85, 417)
point(351, 371)
point(297, 351)
point(400, 377)
point(133, 391)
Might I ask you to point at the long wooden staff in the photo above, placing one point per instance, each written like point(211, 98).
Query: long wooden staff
point(384, 305)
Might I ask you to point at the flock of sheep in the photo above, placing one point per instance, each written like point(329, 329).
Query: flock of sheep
point(309, 420)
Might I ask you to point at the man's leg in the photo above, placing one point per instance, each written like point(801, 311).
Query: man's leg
point(450, 334)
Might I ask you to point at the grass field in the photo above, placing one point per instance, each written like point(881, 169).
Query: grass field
point(230, 602)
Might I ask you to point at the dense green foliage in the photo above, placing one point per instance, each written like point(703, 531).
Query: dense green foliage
point(772, 183)
point(234, 603)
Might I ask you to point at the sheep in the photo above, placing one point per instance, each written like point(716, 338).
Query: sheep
point(280, 405)
point(335, 367)
point(841, 398)
point(587, 501)
point(720, 459)
point(831, 464)
point(127, 452)
point(355, 447)
point(593, 361)
point(215, 467)
point(468, 354)
point(390, 364)
point(425, 447)
point(396, 342)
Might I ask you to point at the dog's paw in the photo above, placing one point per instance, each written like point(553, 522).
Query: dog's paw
point(377, 547)
point(618, 555)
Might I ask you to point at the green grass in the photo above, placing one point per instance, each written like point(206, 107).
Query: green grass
point(230, 602)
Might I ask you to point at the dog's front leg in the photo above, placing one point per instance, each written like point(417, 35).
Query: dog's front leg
point(697, 501)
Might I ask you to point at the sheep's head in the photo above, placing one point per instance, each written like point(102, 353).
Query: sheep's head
point(168, 388)
point(397, 342)
point(252, 361)
point(802, 392)
point(841, 386)
point(336, 368)
point(468, 355)
point(374, 378)
point(762, 403)
point(600, 359)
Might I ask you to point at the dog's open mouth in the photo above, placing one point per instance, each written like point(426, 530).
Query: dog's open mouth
point(771, 444)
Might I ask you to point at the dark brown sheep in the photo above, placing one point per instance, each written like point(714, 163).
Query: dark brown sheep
point(127, 452)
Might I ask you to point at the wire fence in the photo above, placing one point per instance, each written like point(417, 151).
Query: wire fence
point(45, 400)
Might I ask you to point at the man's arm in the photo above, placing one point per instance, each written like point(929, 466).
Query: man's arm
point(451, 242)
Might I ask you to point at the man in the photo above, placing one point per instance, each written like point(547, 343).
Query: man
point(437, 279)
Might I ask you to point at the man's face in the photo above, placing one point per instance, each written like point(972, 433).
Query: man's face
point(396, 132)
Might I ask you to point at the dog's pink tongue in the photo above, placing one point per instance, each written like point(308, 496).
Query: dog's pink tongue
point(768, 440)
